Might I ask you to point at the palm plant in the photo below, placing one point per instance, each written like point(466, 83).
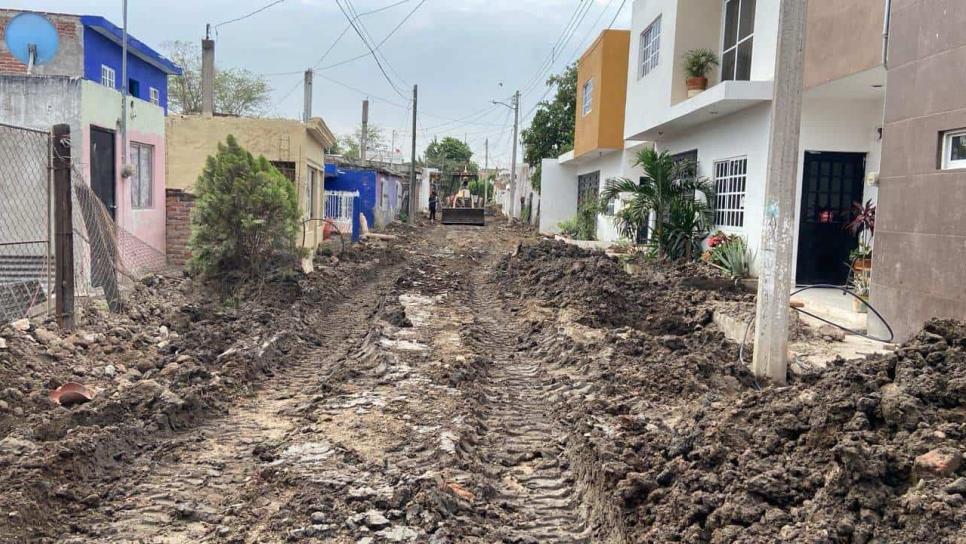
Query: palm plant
point(682, 219)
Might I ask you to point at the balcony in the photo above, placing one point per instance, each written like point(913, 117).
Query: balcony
point(723, 99)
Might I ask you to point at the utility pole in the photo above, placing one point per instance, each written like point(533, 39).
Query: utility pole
point(513, 171)
point(486, 164)
point(125, 171)
point(364, 139)
point(413, 202)
point(63, 230)
point(208, 74)
point(392, 150)
point(307, 98)
point(775, 283)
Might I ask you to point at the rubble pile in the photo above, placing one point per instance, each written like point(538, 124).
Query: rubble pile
point(177, 353)
point(673, 441)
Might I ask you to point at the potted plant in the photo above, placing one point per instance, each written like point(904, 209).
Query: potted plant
point(859, 284)
point(863, 226)
point(697, 65)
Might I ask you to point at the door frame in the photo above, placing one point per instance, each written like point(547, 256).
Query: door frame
point(114, 185)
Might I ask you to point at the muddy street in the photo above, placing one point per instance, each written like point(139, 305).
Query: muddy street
point(467, 385)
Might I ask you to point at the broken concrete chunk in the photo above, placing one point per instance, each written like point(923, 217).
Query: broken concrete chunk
point(375, 520)
point(22, 325)
point(938, 463)
point(398, 533)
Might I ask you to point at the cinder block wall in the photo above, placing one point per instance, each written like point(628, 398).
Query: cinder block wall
point(178, 206)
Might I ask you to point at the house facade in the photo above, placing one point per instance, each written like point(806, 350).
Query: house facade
point(380, 189)
point(725, 129)
point(297, 149)
point(918, 267)
point(82, 87)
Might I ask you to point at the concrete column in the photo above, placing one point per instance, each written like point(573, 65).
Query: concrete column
point(208, 77)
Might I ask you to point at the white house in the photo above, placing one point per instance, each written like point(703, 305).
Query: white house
point(725, 129)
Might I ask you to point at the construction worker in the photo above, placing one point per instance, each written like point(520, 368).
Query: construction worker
point(433, 202)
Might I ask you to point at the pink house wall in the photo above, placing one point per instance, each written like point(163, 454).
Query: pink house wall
point(148, 225)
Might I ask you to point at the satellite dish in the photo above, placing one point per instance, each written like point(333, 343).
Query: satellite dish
point(32, 39)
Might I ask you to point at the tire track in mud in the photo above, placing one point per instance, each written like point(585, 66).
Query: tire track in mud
point(181, 493)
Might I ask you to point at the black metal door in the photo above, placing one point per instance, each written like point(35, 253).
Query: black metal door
point(103, 173)
point(831, 182)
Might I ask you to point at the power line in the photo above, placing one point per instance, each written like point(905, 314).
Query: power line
point(371, 50)
point(257, 11)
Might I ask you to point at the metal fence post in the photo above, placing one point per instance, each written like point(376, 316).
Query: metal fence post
point(63, 229)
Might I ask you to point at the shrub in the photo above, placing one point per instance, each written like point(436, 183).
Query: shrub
point(732, 256)
point(582, 226)
point(698, 62)
point(246, 215)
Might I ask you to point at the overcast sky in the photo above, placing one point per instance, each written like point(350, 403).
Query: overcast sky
point(457, 51)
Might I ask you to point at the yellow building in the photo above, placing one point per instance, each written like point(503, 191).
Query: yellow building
point(601, 94)
point(297, 149)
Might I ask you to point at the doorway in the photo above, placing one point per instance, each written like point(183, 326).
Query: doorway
point(103, 172)
point(831, 182)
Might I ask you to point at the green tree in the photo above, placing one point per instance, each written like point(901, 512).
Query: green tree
point(477, 186)
point(451, 156)
point(237, 91)
point(350, 144)
point(551, 133)
point(680, 202)
point(246, 214)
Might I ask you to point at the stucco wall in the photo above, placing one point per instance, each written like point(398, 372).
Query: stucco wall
point(842, 38)
point(559, 195)
point(698, 27)
point(101, 107)
point(649, 97)
point(99, 50)
point(920, 238)
point(606, 63)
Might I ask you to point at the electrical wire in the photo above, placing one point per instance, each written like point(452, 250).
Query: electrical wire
point(256, 12)
point(370, 47)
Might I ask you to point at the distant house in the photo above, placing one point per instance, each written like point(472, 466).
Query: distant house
point(380, 189)
point(82, 87)
point(297, 149)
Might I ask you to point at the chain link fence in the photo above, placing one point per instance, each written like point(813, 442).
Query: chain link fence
point(108, 258)
point(25, 222)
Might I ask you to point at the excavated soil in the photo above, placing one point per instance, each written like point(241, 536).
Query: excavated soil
point(455, 385)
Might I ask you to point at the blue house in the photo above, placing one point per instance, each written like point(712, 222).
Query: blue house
point(380, 190)
point(81, 86)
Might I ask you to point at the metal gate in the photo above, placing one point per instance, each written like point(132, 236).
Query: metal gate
point(25, 222)
point(338, 209)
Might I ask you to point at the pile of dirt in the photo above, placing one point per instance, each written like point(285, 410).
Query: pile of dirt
point(673, 441)
point(174, 355)
point(595, 284)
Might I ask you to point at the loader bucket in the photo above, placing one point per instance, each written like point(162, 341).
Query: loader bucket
point(463, 216)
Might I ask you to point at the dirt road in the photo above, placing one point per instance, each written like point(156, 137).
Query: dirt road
point(457, 387)
point(419, 387)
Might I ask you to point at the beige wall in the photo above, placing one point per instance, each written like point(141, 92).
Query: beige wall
point(698, 27)
point(920, 241)
point(192, 138)
point(843, 38)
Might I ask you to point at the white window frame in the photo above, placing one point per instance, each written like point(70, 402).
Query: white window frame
point(587, 92)
point(649, 56)
point(108, 76)
point(155, 96)
point(136, 180)
point(738, 39)
point(731, 186)
point(948, 163)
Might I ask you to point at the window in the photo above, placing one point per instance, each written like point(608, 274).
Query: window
point(134, 88)
point(313, 193)
point(142, 182)
point(739, 30)
point(954, 150)
point(588, 94)
point(588, 188)
point(155, 96)
point(650, 48)
point(107, 77)
point(729, 184)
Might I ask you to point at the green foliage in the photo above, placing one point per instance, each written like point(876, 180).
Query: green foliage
point(732, 257)
point(237, 91)
point(451, 156)
point(246, 215)
point(698, 62)
point(348, 145)
point(476, 187)
point(678, 200)
point(551, 132)
point(582, 226)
